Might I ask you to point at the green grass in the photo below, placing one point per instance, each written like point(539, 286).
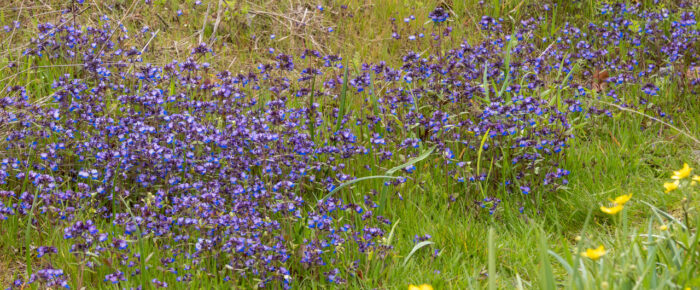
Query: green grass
point(507, 250)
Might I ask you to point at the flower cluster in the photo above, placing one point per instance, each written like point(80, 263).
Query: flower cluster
point(226, 168)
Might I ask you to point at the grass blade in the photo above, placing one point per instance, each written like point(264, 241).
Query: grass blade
point(562, 261)
point(492, 260)
point(481, 149)
point(485, 82)
point(412, 161)
point(546, 272)
point(341, 186)
point(343, 99)
point(415, 249)
point(375, 104)
point(27, 250)
point(391, 233)
point(312, 113)
point(519, 282)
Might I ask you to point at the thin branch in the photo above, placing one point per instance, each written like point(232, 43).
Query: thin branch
point(204, 24)
point(216, 24)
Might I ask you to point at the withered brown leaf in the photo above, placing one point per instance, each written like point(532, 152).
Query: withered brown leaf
point(599, 82)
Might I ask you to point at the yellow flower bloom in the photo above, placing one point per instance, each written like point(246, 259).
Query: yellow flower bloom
point(420, 287)
point(622, 199)
point(696, 178)
point(663, 227)
point(611, 210)
point(594, 254)
point(671, 186)
point(683, 173)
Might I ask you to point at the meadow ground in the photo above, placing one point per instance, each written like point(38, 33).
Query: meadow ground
point(350, 144)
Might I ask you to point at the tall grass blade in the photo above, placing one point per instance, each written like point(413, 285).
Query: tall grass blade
point(27, 250)
point(577, 257)
point(481, 149)
point(312, 113)
point(562, 261)
point(415, 249)
point(506, 66)
point(518, 282)
point(391, 233)
point(142, 262)
point(664, 214)
point(374, 98)
point(412, 161)
point(546, 272)
point(492, 260)
point(343, 100)
point(351, 182)
point(485, 82)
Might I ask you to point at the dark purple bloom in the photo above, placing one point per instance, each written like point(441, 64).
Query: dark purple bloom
point(439, 14)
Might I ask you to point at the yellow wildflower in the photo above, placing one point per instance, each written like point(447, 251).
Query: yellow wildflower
point(420, 287)
point(594, 254)
point(671, 186)
point(696, 179)
point(663, 227)
point(683, 173)
point(622, 199)
point(612, 210)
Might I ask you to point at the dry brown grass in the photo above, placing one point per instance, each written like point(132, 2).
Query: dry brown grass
point(7, 269)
